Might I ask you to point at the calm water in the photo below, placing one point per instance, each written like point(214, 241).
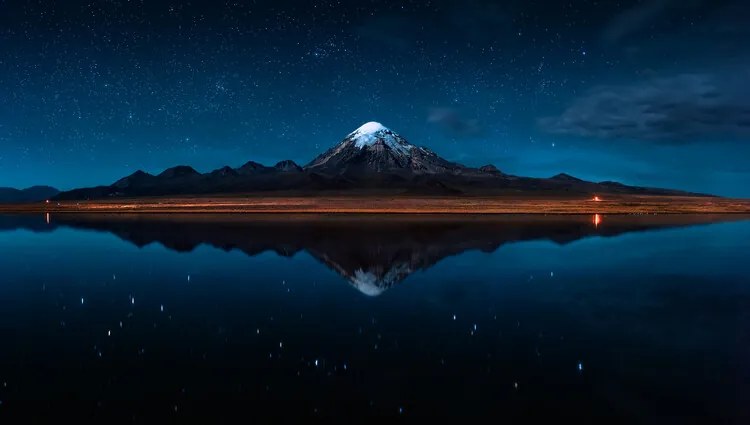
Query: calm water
point(621, 319)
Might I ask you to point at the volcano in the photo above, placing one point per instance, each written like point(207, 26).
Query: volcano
point(376, 149)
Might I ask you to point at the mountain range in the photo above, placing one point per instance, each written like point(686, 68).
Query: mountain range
point(372, 157)
point(31, 194)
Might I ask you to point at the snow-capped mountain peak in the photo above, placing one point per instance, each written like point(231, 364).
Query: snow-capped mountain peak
point(369, 128)
point(373, 132)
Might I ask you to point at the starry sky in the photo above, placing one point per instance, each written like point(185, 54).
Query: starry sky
point(650, 92)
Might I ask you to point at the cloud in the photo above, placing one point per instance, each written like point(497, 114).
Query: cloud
point(678, 109)
point(649, 12)
point(634, 19)
point(453, 122)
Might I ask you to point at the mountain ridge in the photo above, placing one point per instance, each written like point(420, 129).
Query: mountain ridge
point(372, 157)
point(30, 194)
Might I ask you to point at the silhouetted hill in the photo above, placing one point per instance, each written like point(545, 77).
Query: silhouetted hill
point(31, 194)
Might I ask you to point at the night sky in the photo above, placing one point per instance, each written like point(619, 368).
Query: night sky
point(655, 92)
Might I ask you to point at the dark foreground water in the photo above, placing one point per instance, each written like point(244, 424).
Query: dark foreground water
point(613, 319)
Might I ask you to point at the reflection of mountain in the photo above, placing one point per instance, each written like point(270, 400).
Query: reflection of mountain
point(34, 223)
point(372, 253)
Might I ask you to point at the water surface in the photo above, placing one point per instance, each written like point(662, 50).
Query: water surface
point(621, 319)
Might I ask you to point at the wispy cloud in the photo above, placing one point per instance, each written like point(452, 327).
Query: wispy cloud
point(454, 122)
point(677, 109)
point(635, 18)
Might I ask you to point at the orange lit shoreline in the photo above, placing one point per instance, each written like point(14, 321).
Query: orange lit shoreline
point(397, 204)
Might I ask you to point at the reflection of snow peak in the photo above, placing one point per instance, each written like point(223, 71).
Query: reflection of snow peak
point(366, 283)
point(369, 284)
point(372, 132)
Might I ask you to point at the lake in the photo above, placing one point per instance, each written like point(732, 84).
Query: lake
point(618, 319)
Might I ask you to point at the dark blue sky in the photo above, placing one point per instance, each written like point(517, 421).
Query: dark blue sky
point(651, 93)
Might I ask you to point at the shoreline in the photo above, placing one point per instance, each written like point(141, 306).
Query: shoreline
point(616, 204)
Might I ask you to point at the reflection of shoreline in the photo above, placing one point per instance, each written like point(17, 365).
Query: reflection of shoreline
point(372, 253)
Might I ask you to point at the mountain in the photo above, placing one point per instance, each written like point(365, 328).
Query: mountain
point(371, 158)
point(31, 194)
point(562, 177)
point(135, 179)
point(224, 172)
point(252, 167)
point(373, 148)
point(180, 171)
point(490, 169)
point(288, 166)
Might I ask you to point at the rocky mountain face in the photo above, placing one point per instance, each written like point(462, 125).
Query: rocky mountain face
point(372, 157)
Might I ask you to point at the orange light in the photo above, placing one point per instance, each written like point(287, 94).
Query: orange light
point(597, 220)
point(47, 201)
point(47, 218)
point(597, 199)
